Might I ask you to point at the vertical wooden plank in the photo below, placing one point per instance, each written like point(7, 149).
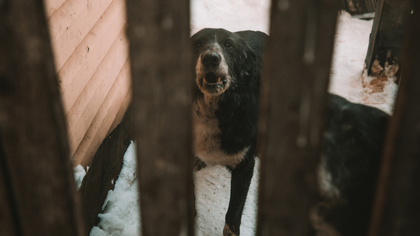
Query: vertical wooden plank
point(160, 58)
point(294, 91)
point(387, 33)
point(397, 208)
point(32, 124)
point(9, 224)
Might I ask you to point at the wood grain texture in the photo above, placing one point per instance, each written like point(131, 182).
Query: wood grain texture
point(71, 23)
point(90, 47)
point(294, 93)
point(396, 210)
point(9, 223)
point(104, 117)
point(125, 104)
point(82, 64)
point(162, 95)
point(52, 6)
point(32, 124)
point(88, 103)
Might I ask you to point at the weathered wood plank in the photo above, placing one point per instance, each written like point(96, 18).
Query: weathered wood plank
point(88, 103)
point(397, 210)
point(32, 124)
point(119, 115)
point(9, 224)
point(52, 6)
point(294, 91)
point(104, 171)
point(69, 28)
point(79, 68)
point(105, 116)
point(162, 94)
point(387, 33)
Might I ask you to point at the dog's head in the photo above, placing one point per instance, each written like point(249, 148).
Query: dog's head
point(222, 60)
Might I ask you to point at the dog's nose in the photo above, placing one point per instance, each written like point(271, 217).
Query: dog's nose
point(211, 59)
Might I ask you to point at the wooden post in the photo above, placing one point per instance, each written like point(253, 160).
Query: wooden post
point(159, 33)
point(388, 29)
point(397, 210)
point(36, 166)
point(9, 223)
point(294, 93)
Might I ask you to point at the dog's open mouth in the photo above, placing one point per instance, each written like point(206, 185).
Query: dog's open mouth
point(214, 81)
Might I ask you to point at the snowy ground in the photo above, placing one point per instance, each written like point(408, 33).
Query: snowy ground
point(212, 184)
point(351, 43)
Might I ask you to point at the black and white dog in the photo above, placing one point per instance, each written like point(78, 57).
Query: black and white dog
point(225, 112)
point(225, 108)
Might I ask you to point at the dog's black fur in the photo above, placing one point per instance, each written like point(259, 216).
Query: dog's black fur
point(227, 77)
point(354, 140)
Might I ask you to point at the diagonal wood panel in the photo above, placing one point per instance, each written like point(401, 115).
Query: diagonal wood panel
point(71, 23)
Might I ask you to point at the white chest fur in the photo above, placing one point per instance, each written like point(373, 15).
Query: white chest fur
point(206, 131)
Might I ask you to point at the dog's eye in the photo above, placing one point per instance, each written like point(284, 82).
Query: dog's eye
point(198, 45)
point(228, 44)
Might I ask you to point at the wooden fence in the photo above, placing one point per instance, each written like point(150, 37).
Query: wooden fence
point(37, 192)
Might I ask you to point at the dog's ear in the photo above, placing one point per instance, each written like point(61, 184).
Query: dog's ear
point(252, 55)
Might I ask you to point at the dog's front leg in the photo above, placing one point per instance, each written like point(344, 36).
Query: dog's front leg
point(241, 179)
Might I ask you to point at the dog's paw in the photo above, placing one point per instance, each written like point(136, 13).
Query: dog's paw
point(199, 164)
point(228, 232)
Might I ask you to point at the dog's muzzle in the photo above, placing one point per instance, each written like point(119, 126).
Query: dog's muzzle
point(212, 73)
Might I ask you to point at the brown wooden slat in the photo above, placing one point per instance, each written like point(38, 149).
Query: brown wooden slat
point(387, 32)
point(296, 75)
point(162, 94)
point(397, 208)
point(9, 224)
point(32, 124)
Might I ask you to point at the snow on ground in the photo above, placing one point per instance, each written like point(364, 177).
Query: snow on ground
point(121, 214)
point(351, 43)
point(79, 174)
point(212, 192)
point(212, 184)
